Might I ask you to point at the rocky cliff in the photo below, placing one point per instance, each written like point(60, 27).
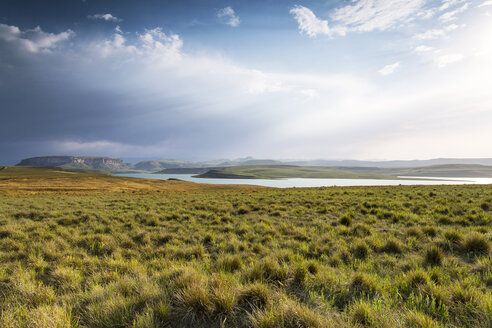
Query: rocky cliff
point(100, 163)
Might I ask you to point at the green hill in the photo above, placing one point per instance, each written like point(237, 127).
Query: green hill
point(288, 171)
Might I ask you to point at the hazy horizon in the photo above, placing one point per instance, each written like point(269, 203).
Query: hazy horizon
point(134, 160)
point(200, 80)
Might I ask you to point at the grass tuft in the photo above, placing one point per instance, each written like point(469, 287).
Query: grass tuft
point(361, 314)
point(476, 244)
point(392, 246)
point(420, 320)
point(433, 256)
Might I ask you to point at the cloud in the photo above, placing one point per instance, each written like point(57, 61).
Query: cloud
point(451, 15)
point(430, 34)
point(445, 60)
point(486, 3)
point(153, 44)
point(435, 33)
point(362, 16)
point(309, 23)
point(382, 15)
point(389, 69)
point(149, 96)
point(106, 17)
point(423, 48)
point(35, 40)
point(370, 15)
point(229, 16)
point(446, 4)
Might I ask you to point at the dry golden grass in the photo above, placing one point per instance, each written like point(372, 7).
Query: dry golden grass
point(85, 250)
point(25, 180)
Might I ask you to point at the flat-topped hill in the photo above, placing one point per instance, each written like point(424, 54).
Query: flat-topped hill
point(101, 163)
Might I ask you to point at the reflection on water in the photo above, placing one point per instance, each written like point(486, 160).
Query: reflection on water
point(289, 183)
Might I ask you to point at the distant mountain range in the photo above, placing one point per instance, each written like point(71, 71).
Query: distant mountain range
point(78, 162)
point(118, 165)
point(172, 166)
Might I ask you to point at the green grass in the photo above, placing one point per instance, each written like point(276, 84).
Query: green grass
point(341, 172)
point(167, 256)
point(288, 171)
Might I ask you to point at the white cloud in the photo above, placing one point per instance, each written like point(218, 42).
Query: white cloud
point(389, 69)
point(435, 33)
point(369, 15)
point(445, 60)
point(160, 46)
point(361, 16)
point(430, 34)
point(451, 15)
point(115, 45)
point(309, 23)
point(486, 3)
point(382, 15)
point(35, 40)
point(446, 4)
point(423, 48)
point(106, 17)
point(154, 44)
point(310, 93)
point(229, 16)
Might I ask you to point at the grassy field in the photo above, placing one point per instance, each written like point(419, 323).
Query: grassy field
point(340, 172)
point(288, 171)
point(448, 170)
point(22, 179)
point(87, 250)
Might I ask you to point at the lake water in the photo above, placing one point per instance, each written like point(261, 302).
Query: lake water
point(289, 183)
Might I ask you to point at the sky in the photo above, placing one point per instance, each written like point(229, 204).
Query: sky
point(200, 80)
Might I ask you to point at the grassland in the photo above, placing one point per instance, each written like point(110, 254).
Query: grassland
point(339, 172)
point(22, 179)
point(120, 252)
point(288, 171)
point(448, 170)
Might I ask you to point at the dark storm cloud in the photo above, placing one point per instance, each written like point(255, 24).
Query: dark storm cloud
point(49, 98)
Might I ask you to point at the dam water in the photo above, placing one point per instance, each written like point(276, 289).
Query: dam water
point(298, 182)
